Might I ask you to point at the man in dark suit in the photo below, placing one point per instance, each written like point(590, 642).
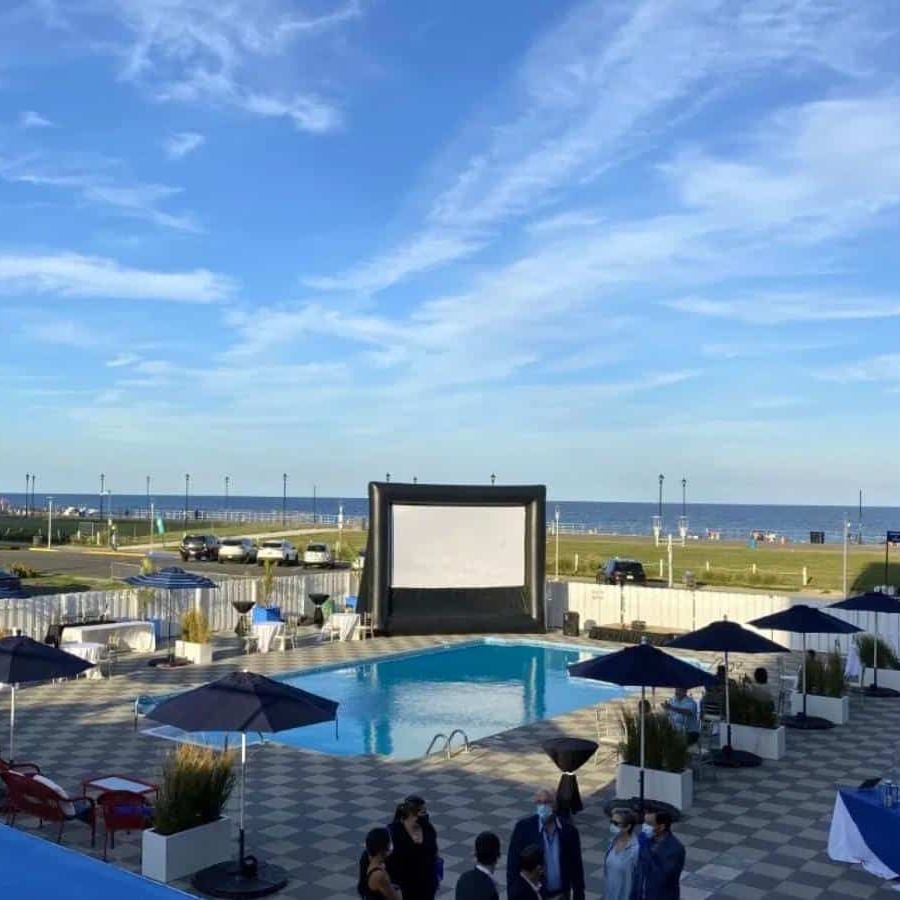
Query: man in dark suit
point(478, 883)
point(660, 860)
point(563, 876)
point(528, 887)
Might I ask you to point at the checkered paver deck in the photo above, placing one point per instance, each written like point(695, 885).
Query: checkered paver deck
point(756, 833)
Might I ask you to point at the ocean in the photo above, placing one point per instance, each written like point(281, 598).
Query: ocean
point(730, 521)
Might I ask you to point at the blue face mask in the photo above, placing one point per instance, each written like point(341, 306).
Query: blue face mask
point(544, 811)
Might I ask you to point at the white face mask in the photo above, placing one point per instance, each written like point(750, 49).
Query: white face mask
point(648, 829)
point(614, 829)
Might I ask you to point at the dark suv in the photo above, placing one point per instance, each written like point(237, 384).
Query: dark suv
point(622, 571)
point(199, 546)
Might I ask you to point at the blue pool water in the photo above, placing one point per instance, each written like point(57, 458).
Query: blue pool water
point(394, 706)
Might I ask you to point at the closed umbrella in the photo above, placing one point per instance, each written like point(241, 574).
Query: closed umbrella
point(171, 578)
point(643, 666)
point(728, 637)
point(242, 702)
point(805, 620)
point(24, 660)
point(875, 602)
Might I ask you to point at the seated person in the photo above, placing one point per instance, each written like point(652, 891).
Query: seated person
point(683, 712)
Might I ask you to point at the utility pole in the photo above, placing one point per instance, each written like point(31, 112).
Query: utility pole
point(148, 492)
point(283, 499)
point(33, 501)
point(556, 516)
point(187, 494)
point(49, 521)
point(845, 529)
point(102, 483)
point(27, 489)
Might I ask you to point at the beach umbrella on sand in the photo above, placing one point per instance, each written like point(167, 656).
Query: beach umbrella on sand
point(875, 602)
point(643, 666)
point(805, 620)
point(23, 661)
point(242, 702)
point(172, 578)
point(728, 637)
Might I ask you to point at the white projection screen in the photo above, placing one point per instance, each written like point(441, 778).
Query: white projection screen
point(457, 546)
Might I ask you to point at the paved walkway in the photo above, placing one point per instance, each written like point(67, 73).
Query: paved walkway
point(757, 833)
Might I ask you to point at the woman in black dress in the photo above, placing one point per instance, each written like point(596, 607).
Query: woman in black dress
point(414, 863)
point(374, 882)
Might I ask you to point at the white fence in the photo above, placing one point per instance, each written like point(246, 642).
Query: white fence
point(33, 615)
point(686, 610)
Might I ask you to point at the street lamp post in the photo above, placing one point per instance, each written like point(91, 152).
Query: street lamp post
point(493, 479)
point(683, 521)
point(556, 529)
point(657, 519)
point(102, 483)
point(27, 489)
point(284, 499)
point(187, 494)
point(227, 483)
point(387, 477)
point(33, 501)
point(148, 492)
point(845, 528)
point(49, 521)
point(315, 504)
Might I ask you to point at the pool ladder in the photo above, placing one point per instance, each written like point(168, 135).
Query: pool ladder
point(447, 746)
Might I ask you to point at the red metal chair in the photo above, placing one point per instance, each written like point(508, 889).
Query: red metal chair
point(34, 798)
point(123, 811)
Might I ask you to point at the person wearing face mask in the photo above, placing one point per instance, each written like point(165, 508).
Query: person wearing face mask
point(414, 865)
point(478, 883)
point(620, 865)
point(660, 860)
point(563, 877)
point(374, 882)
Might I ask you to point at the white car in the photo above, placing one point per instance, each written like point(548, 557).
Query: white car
point(278, 552)
point(241, 550)
point(318, 555)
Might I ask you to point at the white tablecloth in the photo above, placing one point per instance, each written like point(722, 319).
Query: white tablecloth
point(137, 636)
point(847, 844)
point(265, 633)
point(88, 651)
point(345, 625)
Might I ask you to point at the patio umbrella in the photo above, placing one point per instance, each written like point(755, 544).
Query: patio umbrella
point(805, 620)
point(11, 586)
point(23, 660)
point(242, 702)
point(171, 578)
point(728, 637)
point(876, 602)
point(643, 666)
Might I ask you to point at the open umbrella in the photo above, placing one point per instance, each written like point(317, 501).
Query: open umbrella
point(805, 620)
point(24, 660)
point(728, 637)
point(11, 586)
point(171, 578)
point(876, 602)
point(643, 666)
point(242, 702)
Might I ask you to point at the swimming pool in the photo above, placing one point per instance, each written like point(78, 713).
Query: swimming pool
point(393, 706)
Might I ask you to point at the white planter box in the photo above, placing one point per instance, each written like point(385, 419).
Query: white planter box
point(675, 788)
point(170, 857)
point(769, 743)
point(889, 678)
point(834, 709)
point(202, 654)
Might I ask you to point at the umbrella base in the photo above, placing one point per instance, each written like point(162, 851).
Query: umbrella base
point(169, 663)
point(879, 691)
point(807, 723)
point(229, 880)
point(634, 804)
point(730, 758)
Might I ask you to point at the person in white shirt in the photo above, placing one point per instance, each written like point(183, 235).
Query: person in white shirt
point(684, 714)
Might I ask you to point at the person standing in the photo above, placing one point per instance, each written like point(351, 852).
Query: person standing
point(528, 887)
point(478, 883)
point(620, 865)
point(660, 860)
point(683, 714)
point(414, 866)
point(559, 839)
point(374, 882)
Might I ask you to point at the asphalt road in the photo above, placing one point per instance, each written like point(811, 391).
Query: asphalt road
point(111, 565)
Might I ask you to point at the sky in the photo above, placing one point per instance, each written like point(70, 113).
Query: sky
point(571, 243)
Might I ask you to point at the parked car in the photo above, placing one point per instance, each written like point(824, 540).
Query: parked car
point(241, 550)
point(622, 571)
point(199, 546)
point(282, 553)
point(359, 563)
point(318, 555)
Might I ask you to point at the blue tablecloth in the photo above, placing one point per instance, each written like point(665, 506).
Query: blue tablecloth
point(34, 869)
point(866, 832)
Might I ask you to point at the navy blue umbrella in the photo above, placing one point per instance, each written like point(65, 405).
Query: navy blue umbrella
point(728, 637)
point(11, 587)
point(804, 620)
point(24, 660)
point(243, 701)
point(171, 578)
point(643, 666)
point(876, 602)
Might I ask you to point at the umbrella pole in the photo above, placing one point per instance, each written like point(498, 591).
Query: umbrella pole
point(875, 655)
point(727, 707)
point(12, 722)
point(641, 772)
point(243, 780)
point(804, 673)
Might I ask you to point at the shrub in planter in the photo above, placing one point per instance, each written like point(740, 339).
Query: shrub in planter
point(665, 746)
point(887, 658)
point(751, 706)
point(194, 627)
point(825, 678)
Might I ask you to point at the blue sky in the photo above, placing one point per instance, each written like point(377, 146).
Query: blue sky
point(572, 243)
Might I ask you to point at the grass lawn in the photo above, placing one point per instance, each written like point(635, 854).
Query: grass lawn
point(69, 584)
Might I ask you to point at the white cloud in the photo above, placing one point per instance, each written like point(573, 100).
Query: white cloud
point(182, 143)
point(62, 332)
point(32, 119)
point(782, 308)
point(882, 368)
point(72, 275)
point(122, 360)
